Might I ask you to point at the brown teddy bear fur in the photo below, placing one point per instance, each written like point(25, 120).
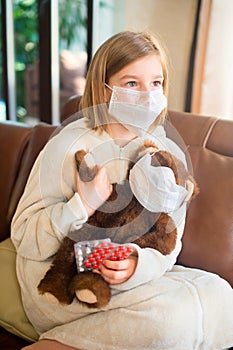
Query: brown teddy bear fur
point(134, 224)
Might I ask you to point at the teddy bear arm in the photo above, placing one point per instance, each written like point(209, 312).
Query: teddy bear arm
point(162, 235)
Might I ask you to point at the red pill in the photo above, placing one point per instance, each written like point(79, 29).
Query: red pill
point(87, 264)
point(100, 250)
point(113, 258)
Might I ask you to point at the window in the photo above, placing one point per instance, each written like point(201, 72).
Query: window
point(45, 63)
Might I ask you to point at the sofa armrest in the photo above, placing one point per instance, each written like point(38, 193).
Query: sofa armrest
point(14, 140)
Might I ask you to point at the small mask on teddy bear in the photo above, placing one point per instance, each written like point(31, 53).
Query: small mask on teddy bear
point(72, 273)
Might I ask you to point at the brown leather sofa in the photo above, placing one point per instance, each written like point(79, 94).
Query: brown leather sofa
point(208, 236)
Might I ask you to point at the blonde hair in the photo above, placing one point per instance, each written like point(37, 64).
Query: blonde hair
point(112, 56)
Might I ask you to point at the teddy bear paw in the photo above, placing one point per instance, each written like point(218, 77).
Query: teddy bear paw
point(51, 298)
point(86, 296)
point(91, 289)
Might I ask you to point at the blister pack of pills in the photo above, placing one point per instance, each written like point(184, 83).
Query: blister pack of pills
point(90, 254)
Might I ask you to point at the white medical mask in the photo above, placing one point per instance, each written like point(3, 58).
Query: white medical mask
point(136, 110)
point(155, 187)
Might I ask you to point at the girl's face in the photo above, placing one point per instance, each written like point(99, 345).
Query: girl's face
point(144, 74)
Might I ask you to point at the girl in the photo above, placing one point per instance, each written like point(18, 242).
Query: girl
point(154, 304)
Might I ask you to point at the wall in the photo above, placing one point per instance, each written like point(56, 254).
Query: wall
point(173, 21)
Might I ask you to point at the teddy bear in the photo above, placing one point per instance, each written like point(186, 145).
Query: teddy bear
point(131, 223)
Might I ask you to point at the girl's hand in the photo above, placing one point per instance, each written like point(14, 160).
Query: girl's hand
point(116, 272)
point(94, 193)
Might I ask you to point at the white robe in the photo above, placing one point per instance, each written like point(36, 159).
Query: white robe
point(162, 306)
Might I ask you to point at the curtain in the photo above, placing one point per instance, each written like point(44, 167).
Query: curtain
point(212, 81)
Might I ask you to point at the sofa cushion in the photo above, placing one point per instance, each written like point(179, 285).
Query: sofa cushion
point(12, 315)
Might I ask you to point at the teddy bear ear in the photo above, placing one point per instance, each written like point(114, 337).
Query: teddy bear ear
point(149, 144)
point(86, 172)
point(147, 147)
point(79, 157)
point(195, 186)
point(150, 147)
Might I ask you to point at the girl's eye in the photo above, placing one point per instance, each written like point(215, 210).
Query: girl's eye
point(157, 83)
point(131, 83)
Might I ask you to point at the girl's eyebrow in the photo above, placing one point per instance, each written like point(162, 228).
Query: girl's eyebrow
point(132, 76)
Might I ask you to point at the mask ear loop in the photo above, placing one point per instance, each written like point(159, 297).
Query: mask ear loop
point(108, 86)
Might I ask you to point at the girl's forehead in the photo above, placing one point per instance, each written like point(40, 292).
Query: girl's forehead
point(144, 66)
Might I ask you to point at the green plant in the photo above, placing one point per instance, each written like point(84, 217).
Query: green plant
point(26, 46)
point(26, 31)
point(72, 21)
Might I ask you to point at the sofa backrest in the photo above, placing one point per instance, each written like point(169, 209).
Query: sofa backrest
point(208, 236)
